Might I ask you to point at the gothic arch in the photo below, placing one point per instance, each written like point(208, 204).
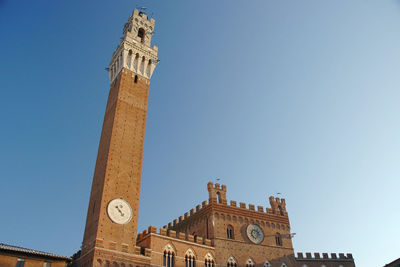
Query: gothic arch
point(169, 248)
point(190, 252)
point(231, 262)
point(250, 262)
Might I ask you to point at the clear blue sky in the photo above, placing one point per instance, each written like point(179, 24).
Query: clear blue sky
point(297, 97)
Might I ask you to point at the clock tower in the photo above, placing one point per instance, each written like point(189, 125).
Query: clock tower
point(111, 222)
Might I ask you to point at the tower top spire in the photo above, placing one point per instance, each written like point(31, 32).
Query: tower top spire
point(135, 52)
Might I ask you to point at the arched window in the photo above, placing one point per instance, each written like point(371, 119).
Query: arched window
point(229, 232)
point(136, 78)
point(250, 263)
point(190, 260)
point(218, 197)
point(278, 239)
point(141, 34)
point(231, 262)
point(209, 261)
point(169, 257)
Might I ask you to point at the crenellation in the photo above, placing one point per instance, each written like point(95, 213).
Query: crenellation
point(199, 240)
point(182, 235)
point(198, 208)
point(147, 252)
point(260, 208)
point(242, 205)
point(134, 51)
point(171, 233)
point(163, 231)
point(152, 229)
point(325, 256)
point(180, 219)
point(186, 215)
point(190, 238)
point(204, 204)
point(278, 206)
point(233, 203)
point(191, 212)
point(175, 222)
point(251, 207)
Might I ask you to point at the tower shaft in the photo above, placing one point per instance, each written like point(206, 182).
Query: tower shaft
point(111, 222)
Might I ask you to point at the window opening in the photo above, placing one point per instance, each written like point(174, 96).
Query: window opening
point(169, 259)
point(278, 239)
point(20, 263)
point(229, 232)
point(141, 35)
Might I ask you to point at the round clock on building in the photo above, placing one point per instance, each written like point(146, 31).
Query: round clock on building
point(255, 233)
point(119, 211)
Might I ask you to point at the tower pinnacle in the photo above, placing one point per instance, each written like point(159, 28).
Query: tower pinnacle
point(135, 52)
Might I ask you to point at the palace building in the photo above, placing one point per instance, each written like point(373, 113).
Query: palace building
point(214, 233)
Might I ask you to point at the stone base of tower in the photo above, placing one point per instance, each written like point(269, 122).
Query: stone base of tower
point(101, 257)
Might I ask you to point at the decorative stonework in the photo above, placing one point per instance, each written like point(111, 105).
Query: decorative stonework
point(135, 52)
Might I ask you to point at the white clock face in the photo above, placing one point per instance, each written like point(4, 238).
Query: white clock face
point(119, 211)
point(255, 233)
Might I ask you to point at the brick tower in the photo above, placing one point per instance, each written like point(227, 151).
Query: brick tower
point(111, 222)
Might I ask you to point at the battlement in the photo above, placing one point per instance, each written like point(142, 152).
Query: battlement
point(278, 206)
point(137, 13)
point(173, 234)
point(217, 193)
point(325, 256)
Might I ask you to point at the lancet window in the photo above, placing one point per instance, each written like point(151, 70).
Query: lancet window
point(169, 257)
point(231, 262)
point(209, 261)
point(190, 260)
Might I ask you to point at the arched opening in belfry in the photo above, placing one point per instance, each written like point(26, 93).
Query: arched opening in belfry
point(280, 210)
point(141, 34)
point(219, 197)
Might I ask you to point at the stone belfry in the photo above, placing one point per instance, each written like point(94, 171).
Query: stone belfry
point(111, 222)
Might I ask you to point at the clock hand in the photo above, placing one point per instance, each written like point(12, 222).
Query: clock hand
point(122, 214)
